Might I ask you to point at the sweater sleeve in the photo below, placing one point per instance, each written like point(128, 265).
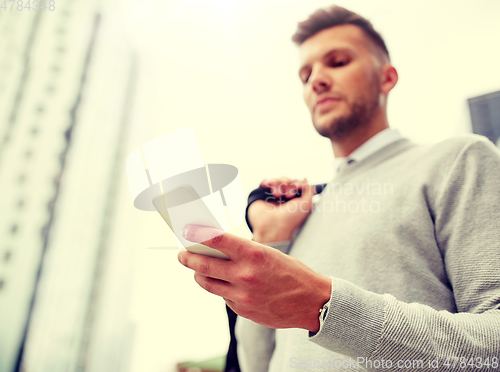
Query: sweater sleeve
point(372, 328)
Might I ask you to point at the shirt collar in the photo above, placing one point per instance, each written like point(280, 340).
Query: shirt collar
point(373, 144)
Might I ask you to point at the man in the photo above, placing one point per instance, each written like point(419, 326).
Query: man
point(396, 266)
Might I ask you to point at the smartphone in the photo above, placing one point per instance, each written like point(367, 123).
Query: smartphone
point(183, 206)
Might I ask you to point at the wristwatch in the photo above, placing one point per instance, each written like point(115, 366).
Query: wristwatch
point(323, 313)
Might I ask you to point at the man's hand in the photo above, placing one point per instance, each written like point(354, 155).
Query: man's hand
point(258, 282)
point(272, 221)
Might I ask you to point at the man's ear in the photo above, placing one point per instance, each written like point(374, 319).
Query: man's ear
point(389, 78)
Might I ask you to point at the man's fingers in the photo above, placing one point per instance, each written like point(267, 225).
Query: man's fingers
point(267, 182)
point(283, 186)
point(273, 181)
point(215, 286)
point(231, 245)
point(276, 185)
point(308, 190)
point(207, 266)
point(293, 187)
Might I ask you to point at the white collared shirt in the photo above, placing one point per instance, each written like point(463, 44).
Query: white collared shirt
point(375, 143)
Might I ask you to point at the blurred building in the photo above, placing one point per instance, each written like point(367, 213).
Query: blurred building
point(485, 116)
point(66, 90)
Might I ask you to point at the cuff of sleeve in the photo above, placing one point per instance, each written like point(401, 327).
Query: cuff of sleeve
point(354, 322)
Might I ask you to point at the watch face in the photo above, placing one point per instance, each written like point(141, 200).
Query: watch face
point(324, 311)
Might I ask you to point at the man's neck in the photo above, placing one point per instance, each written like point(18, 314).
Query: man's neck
point(345, 146)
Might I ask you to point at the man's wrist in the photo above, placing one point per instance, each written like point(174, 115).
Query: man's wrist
point(273, 235)
point(317, 309)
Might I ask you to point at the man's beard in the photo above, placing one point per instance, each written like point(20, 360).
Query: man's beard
point(362, 112)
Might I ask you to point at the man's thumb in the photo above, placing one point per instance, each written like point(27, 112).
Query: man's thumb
point(308, 191)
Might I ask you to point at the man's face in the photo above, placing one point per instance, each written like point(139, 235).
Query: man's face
point(341, 81)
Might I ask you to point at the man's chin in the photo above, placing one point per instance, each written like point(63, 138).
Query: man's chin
point(337, 129)
point(326, 127)
point(325, 124)
point(338, 125)
point(324, 131)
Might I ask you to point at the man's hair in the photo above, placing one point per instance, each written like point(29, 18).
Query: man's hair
point(322, 19)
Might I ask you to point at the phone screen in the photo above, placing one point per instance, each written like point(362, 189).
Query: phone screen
point(183, 206)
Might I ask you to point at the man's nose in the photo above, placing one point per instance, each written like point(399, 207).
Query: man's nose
point(321, 82)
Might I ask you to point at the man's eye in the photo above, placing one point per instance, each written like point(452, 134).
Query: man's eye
point(333, 63)
point(340, 63)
